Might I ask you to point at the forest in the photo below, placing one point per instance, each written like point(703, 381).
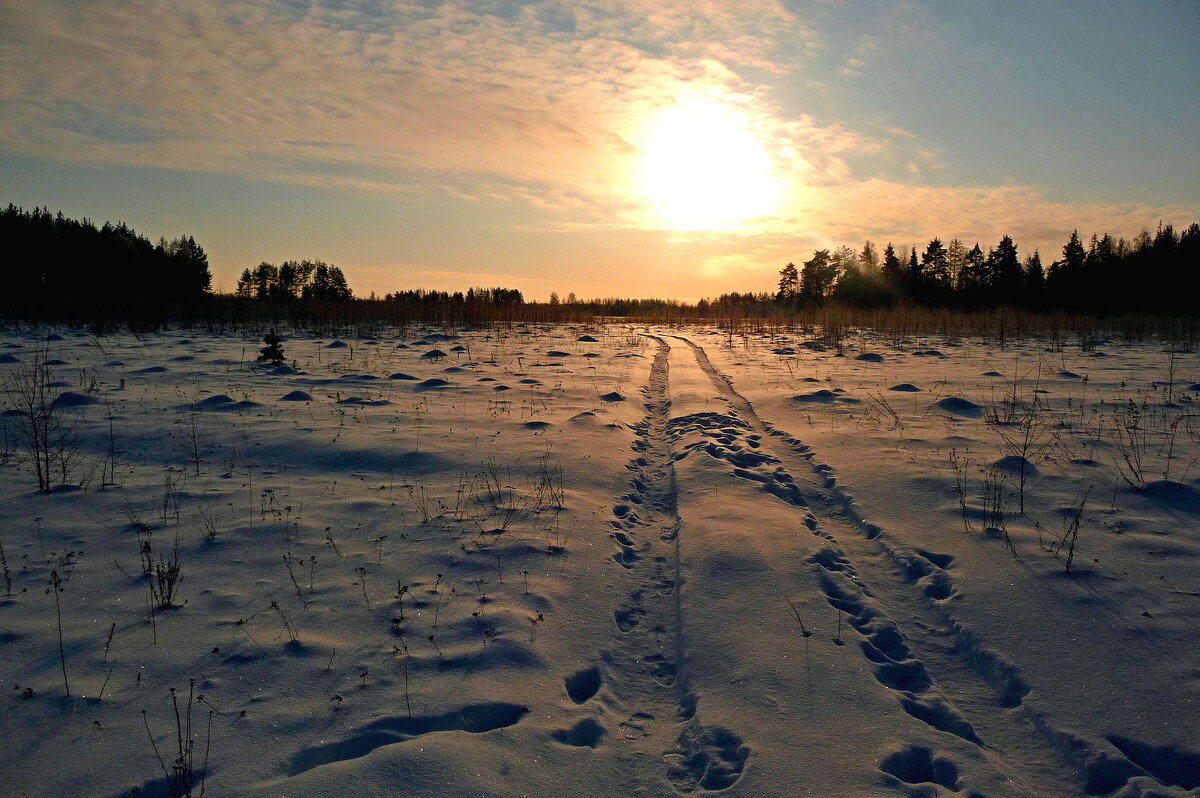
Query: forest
point(66, 270)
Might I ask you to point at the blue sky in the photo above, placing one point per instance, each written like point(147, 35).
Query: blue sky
point(446, 144)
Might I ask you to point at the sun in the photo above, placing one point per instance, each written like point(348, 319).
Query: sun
point(702, 168)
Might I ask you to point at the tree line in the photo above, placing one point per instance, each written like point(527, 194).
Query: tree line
point(1157, 272)
point(66, 269)
point(294, 280)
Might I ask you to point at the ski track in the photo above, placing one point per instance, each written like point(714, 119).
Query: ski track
point(645, 667)
point(897, 599)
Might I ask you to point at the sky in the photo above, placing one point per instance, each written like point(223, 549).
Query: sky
point(607, 148)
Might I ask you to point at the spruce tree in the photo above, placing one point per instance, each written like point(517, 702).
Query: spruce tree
point(273, 351)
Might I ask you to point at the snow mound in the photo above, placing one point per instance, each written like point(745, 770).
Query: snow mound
point(1013, 463)
point(907, 387)
point(216, 399)
point(400, 375)
point(783, 350)
point(336, 345)
point(433, 383)
point(73, 399)
point(538, 425)
point(296, 396)
point(282, 370)
point(362, 402)
point(221, 403)
point(55, 337)
point(586, 339)
point(1179, 495)
point(557, 353)
point(1195, 386)
point(150, 370)
point(958, 406)
point(7, 358)
point(824, 396)
point(1068, 374)
point(870, 357)
point(613, 396)
point(992, 374)
point(474, 719)
point(433, 354)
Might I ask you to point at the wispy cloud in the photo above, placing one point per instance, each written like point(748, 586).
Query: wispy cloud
point(540, 92)
point(503, 101)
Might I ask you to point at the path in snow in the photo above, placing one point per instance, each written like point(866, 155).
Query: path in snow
point(898, 602)
point(646, 666)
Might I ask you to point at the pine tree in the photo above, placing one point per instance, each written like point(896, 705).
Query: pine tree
point(818, 276)
point(912, 275)
point(789, 284)
point(1035, 280)
point(273, 351)
point(935, 271)
point(1005, 270)
point(891, 265)
point(1073, 254)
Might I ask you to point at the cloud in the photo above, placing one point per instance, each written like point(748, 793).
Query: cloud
point(538, 92)
point(537, 103)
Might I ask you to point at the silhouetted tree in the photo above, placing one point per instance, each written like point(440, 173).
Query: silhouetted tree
point(1004, 268)
point(817, 277)
point(273, 351)
point(934, 284)
point(1035, 281)
point(892, 268)
point(789, 284)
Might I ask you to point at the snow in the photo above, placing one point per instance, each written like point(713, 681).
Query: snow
point(674, 566)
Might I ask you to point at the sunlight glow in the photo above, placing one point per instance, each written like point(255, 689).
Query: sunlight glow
point(702, 168)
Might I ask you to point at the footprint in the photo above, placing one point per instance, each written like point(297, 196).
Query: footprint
point(831, 560)
point(630, 615)
point(895, 665)
point(940, 560)
point(940, 715)
point(662, 670)
point(583, 684)
point(637, 726)
point(626, 557)
point(587, 733)
point(916, 764)
point(708, 758)
point(475, 718)
point(623, 539)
